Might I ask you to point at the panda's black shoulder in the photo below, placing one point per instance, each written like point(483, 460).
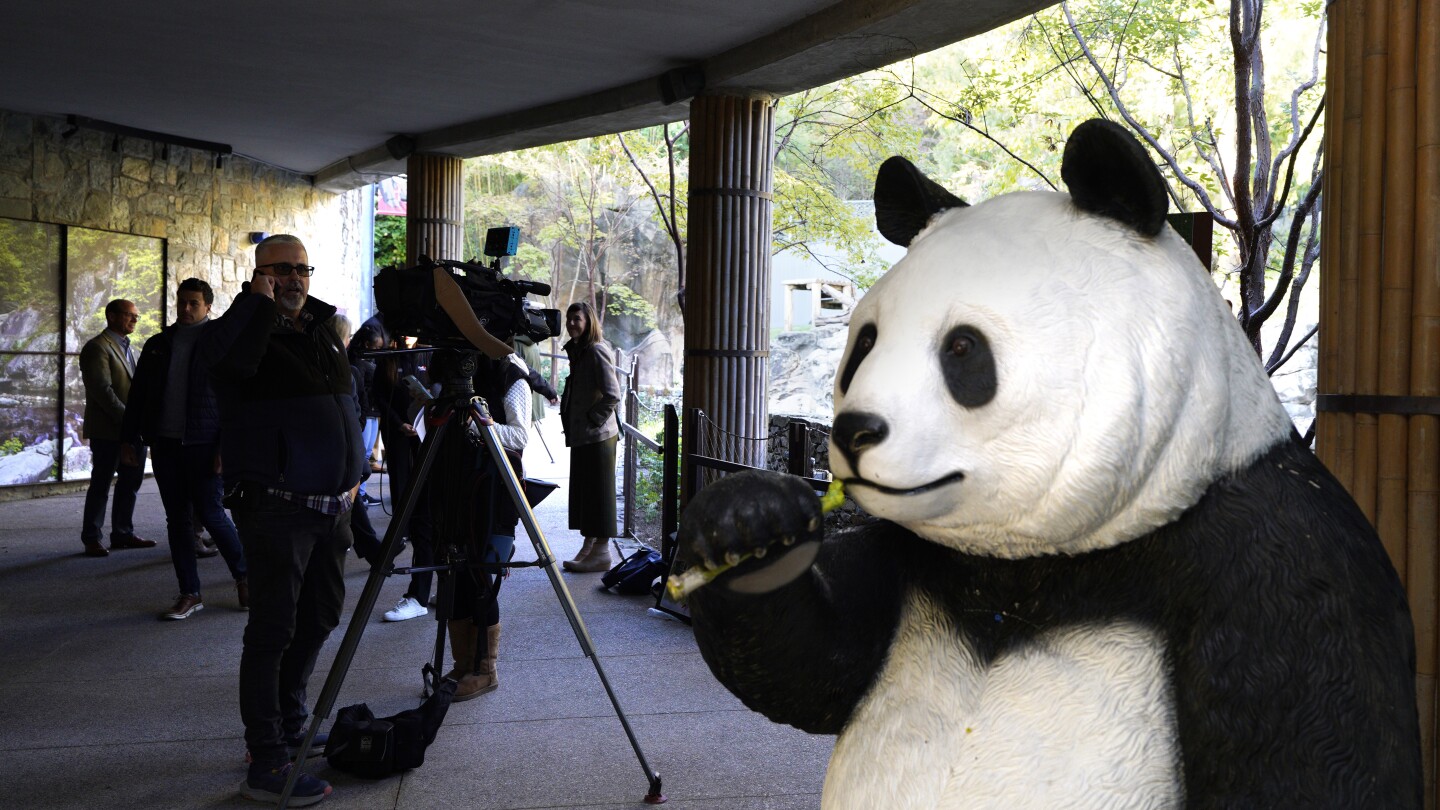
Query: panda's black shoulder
point(1284, 613)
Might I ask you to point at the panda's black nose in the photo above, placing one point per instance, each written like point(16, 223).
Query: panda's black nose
point(856, 432)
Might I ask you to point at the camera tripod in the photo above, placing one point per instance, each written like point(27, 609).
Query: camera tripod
point(459, 411)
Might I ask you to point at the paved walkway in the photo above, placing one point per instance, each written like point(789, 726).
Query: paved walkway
point(104, 706)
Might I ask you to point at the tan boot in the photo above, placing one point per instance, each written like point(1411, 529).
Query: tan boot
point(598, 560)
point(485, 678)
point(569, 565)
point(462, 646)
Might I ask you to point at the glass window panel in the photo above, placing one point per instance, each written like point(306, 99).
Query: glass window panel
point(102, 265)
point(77, 451)
point(29, 286)
point(29, 410)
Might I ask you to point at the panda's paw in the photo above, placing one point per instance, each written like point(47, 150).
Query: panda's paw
point(743, 524)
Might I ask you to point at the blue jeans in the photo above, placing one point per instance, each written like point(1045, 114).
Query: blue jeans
point(186, 477)
point(104, 463)
point(296, 558)
point(368, 433)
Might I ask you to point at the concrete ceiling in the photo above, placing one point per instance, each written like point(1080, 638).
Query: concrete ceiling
point(319, 87)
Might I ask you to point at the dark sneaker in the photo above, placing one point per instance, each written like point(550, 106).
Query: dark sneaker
point(242, 593)
point(317, 746)
point(185, 604)
point(292, 746)
point(265, 784)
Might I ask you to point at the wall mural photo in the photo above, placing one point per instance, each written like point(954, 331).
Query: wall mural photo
point(42, 331)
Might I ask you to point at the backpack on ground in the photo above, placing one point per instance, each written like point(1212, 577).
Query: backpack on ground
point(635, 574)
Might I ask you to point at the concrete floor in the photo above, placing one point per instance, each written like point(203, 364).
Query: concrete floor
point(103, 705)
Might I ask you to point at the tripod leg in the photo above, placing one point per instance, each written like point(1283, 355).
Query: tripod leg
point(368, 597)
point(536, 425)
point(562, 591)
point(444, 608)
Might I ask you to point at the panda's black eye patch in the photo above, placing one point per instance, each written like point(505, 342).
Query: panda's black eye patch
point(864, 342)
point(968, 366)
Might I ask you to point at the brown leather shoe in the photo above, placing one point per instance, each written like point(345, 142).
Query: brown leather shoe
point(132, 541)
point(96, 550)
point(242, 593)
point(185, 604)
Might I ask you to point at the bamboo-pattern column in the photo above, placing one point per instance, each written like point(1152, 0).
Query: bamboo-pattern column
point(434, 221)
point(1379, 419)
point(727, 290)
point(1423, 515)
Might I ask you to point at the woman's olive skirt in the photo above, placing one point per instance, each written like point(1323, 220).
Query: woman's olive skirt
point(592, 488)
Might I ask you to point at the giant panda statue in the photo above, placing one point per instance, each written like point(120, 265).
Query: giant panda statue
point(1105, 573)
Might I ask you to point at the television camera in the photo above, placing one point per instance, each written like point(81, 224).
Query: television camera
point(455, 304)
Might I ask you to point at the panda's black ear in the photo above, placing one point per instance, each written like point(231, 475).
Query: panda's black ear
point(905, 200)
point(1109, 173)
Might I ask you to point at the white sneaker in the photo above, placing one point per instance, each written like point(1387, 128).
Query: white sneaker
point(406, 608)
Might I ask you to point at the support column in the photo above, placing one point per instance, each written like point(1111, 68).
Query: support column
point(1378, 414)
point(435, 215)
point(727, 290)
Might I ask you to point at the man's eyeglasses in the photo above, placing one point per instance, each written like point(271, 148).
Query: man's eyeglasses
point(283, 269)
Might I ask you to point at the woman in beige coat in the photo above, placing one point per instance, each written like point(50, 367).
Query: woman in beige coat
point(592, 428)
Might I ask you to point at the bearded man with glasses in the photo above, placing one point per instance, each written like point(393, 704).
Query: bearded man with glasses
point(291, 452)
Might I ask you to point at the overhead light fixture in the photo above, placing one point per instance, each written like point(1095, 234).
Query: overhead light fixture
point(681, 84)
point(400, 146)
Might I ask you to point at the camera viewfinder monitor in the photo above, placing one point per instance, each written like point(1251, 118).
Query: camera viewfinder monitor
point(502, 241)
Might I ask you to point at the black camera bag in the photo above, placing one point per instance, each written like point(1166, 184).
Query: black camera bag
point(374, 748)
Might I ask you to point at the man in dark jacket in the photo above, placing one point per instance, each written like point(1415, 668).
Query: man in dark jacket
point(290, 438)
point(172, 409)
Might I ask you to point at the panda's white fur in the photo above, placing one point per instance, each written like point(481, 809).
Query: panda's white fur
point(1082, 718)
point(1119, 398)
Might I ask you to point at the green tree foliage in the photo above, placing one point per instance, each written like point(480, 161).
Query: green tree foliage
point(660, 158)
point(574, 205)
point(102, 265)
point(29, 264)
point(389, 242)
point(623, 301)
point(30, 280)
point(1226, 96)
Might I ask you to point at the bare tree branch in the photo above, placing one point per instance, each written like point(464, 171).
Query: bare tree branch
point(1210, 155)
point(1199, 190)
point(1279, 207)
point(1296, 136)
point(1270, 369)
point(984, 134)
point(1302, 212)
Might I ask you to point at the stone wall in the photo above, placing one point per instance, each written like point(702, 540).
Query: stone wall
point(204, 212)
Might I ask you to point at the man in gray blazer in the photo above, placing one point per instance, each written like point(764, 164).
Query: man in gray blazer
point(107, 364)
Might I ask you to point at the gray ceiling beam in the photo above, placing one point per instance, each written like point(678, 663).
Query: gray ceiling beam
point(850, 37)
